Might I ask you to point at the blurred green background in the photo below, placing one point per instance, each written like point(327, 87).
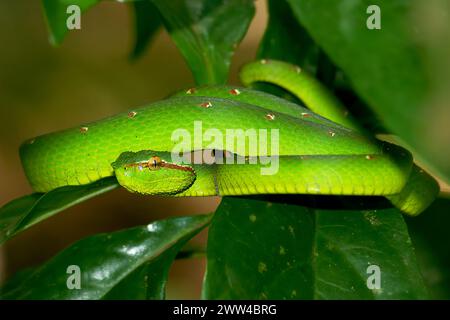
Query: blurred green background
point(43, 89)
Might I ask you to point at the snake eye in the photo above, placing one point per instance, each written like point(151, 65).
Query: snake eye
point(154, 163)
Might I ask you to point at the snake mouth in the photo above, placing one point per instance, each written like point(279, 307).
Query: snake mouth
point(169, 165)
point(155, 163)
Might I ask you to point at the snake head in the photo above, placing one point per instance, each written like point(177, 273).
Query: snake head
point(152, 173)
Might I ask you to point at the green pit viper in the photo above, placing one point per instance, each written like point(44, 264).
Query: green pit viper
point(321, 150)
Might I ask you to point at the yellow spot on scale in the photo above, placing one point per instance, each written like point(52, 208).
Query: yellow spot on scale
point(206, 104)
point(235, 92)
point(132, 114)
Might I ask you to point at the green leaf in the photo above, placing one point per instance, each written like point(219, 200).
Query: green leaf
point(348, 242)
point(128, 264)
point(390, 68)
point(255, 251)
point(20, 214)
point(15, 280)
point(430, 236)
point(207, 33)
point(284, 39)
point(57, 15)
point(293, 252)
point(147, 23)
point(147, 281)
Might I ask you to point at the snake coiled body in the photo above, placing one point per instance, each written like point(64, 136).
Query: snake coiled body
point(315, 155)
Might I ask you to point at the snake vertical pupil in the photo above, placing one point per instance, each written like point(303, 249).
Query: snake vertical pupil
point(154, 163)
